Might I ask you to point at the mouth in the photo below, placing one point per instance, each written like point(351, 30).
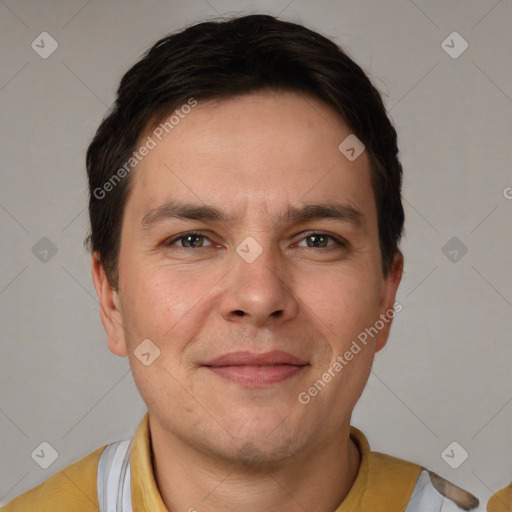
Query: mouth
point(256, 370)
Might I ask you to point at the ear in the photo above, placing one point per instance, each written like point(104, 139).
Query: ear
point(110, 310)
point(387, 309)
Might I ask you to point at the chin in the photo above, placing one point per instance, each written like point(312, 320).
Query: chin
point(254, 458)
point(258, 454)
point(260, 427)
point(265, 446)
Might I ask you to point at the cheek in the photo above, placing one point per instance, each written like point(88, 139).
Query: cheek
point(346, 301)
point(163, 303)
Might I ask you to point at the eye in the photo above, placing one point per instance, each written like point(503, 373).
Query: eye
point(321, 240)
point(190, 240)
point(197, 240)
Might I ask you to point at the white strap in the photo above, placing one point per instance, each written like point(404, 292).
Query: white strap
point(114, 478)
point(424, 497)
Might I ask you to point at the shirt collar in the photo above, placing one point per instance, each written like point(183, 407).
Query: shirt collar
point(145, 494)
point(383, 482)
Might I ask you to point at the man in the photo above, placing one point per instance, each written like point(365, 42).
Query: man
point(245, 219)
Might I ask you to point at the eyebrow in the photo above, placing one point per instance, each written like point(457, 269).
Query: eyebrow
point(309, 212)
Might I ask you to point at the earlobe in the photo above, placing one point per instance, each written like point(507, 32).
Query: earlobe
point(110, 310)
point(387, 309)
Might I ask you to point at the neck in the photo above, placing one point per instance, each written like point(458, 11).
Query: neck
point(190, 480)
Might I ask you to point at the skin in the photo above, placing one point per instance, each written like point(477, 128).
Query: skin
point(220, 445)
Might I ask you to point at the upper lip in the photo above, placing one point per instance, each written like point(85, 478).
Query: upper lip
point(245, 358)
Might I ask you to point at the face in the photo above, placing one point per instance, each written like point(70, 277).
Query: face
point(250, 258)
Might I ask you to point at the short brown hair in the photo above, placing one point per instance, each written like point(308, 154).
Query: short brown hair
point(226, 58)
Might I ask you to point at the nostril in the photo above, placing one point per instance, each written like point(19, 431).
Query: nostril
point(239, 312)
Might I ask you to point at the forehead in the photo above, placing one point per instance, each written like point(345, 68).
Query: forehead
point(258, 153)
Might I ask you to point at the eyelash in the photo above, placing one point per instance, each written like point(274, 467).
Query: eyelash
point(169, 242)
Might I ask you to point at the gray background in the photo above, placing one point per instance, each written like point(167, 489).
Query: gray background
point(444, 375)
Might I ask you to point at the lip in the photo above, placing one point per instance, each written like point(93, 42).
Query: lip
point(245, 358)
point(256, 370)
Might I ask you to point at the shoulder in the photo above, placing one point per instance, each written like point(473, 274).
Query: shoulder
point(69, 490)
point(427, 491)
point(501, 501)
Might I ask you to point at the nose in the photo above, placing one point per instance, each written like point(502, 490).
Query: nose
point(259, 292)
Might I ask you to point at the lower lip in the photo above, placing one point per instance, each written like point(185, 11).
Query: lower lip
point(256, 376)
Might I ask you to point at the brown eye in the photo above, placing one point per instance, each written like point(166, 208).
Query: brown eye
point(317, 241)
point(321, 241)
point(189, 240)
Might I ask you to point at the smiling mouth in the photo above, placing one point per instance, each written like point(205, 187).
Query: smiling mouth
point(256, 370)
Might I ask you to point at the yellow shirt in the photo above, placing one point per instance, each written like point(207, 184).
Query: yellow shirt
point(383, 483)
point(501, 501)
